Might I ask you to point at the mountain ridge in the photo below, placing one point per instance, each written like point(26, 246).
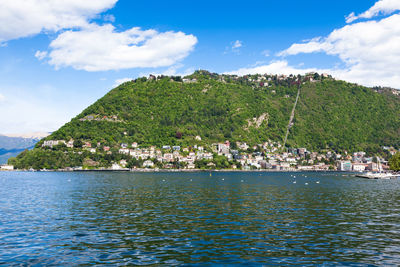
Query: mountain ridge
point(205, 108)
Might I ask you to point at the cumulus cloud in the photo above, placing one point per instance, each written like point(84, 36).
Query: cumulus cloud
point(21, 18)
point(370, 50)
point(382, 7)
point(84, 45)
point(102, 48)
point(274, 67)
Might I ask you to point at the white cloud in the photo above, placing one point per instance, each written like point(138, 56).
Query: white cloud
point(370, 50)
point(102, 48)
point(120, 81)
point(275, 67)
point(40, 54)
point(21, 18)
point(174, 70)
point(2, 98)
point(234, 47)
point(382, 7)
point(237, 44)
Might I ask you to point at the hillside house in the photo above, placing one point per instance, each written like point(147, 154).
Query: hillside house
point(124, 151)
point(148, 164)
point(344, 166)
point(70, 143)
point(51, 143)
point(87, 144)
point(359, 167)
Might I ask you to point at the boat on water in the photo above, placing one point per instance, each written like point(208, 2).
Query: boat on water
point(378, 175)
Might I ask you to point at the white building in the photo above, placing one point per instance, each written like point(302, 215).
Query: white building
point(70, 143)
point(51, 143)
point(223, 148)
point(124, 151)
point(6, 167)
point(293, 160)
point(115, 166)
point(358, 167)
point(148, 164)
point(344, 165)
point(168, 157)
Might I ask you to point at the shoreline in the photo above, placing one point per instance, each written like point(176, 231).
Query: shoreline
point(183, 171)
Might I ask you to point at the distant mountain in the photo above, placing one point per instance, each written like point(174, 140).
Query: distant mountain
point(206, 108)
point(6, 154)
point(33, 135)
point(12, 145)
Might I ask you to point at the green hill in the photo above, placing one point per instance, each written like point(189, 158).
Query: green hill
point(330, 114)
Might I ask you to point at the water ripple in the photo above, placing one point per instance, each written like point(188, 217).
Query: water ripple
point(192, 219)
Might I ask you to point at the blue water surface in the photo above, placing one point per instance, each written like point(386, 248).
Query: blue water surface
point(240, 218)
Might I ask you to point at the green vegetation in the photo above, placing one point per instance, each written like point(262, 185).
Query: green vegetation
point(344, 116)
point(394, 162)
point(170, 111)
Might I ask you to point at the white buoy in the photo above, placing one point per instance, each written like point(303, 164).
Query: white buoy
point(163, 180)
point(306, 183)
point(294, 182)
point(223, 179)
point(317, 182)
point(242, 181)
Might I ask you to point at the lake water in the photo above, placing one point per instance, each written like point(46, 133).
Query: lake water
point(194, 219)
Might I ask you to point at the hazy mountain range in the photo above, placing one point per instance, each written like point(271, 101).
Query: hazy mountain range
point(12, 144)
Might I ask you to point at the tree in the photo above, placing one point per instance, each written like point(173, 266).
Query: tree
point(134, 163)
point(78, 143)
point(178, 135)
point(394, 162)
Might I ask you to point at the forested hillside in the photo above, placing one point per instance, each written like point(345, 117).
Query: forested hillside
point(330, 113)
point(159, 111)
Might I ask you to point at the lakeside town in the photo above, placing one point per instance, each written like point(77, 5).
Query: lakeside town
point(87, 153)
point(218, 156)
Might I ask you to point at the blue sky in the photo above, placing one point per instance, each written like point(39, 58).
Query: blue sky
point(56, 59)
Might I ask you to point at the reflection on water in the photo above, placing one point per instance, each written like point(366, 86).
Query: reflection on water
point(192, 218)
